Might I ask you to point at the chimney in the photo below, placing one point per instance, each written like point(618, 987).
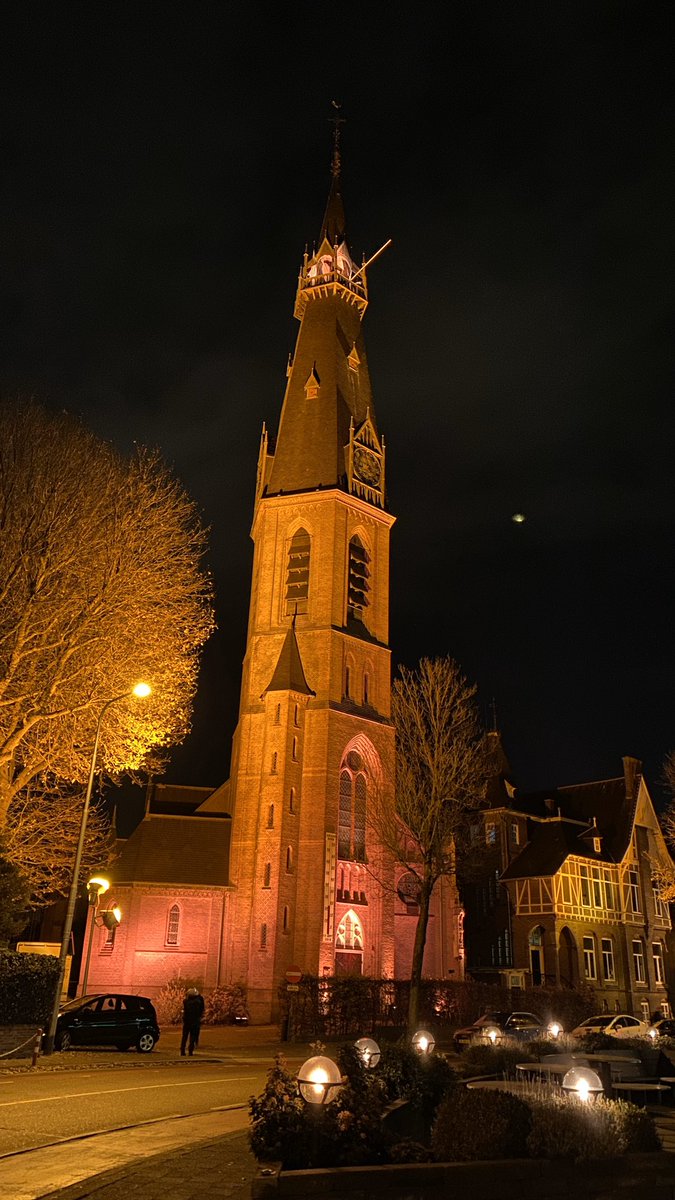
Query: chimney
point(632, 767)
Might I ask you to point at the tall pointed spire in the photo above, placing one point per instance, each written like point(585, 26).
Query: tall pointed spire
point(334, 224)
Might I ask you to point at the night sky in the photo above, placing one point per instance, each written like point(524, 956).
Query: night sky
point(162, 168)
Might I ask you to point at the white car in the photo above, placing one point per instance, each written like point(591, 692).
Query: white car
point(619, 1025)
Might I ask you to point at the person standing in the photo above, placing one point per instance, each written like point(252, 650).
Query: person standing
point(193, 1011)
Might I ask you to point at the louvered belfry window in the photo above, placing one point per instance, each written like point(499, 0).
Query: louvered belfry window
point(297, 575)
point(359, 574)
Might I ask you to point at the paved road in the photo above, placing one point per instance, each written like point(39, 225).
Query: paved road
point(37, 1110)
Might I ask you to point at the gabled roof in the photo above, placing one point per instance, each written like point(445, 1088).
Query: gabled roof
point(289, 673)
point(551, 843)
point(176, 850)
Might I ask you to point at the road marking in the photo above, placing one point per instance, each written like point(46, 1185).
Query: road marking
point(145, 1087)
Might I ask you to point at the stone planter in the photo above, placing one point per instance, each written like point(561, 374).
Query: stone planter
point(633, 1177)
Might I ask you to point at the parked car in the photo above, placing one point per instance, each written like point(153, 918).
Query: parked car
point(108, 1020)
point(620, 1025)
point(664, 1027)
point(496, 1026)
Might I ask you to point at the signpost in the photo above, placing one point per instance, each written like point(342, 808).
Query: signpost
point(293, 977)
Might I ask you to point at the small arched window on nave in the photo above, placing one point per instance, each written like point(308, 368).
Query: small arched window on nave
point(173, 925)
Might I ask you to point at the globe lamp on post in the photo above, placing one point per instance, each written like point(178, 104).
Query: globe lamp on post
point(318, 1080)
point(369, 1051)
point(423, 1041)
point(141, 690)
point(583, 1083)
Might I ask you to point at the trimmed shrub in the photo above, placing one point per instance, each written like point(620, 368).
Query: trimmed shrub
point(421, 1079)
point(27, 987)
point(225, 1005)
point(565, 1127)
point(480, 1124)
point(500, 1059)
point(278, 1131)
point(635, 1129)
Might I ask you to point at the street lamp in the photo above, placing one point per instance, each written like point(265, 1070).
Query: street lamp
point(141, 690)
point(110, 917)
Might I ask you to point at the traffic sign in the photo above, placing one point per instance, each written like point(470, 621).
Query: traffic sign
point(293, 974)
point(292, 987)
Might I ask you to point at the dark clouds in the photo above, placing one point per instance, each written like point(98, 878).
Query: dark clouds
point(161, 172)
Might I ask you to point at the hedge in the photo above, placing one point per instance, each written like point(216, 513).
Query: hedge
point(27, 987)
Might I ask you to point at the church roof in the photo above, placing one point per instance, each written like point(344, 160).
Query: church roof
point(176, 850)
point(289, 673)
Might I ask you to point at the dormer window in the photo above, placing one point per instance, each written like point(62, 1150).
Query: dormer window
point(597, 844)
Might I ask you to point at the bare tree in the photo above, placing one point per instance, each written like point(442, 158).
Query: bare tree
point(441, 770)
point(100, 586)
point(663, 868)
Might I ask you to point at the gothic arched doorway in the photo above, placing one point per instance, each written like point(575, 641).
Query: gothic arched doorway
point(568, 958)
point(349, 946)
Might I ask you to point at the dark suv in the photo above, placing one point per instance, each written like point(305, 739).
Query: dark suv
point(108, 1020)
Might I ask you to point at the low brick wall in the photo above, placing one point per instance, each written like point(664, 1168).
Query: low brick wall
point(634, 1177)
point(16, 1041)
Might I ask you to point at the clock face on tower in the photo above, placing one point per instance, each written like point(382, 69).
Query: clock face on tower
point(366, 466)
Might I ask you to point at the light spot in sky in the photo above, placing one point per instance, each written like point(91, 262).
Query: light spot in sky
point(518, 518)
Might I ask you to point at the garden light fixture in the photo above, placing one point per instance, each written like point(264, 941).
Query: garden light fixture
point(555, 1029)
point(583, 1082)
point(318, 1080)
point(369, 1051)
point(653, 1033)
point(423, 1041)
point(492, 1033)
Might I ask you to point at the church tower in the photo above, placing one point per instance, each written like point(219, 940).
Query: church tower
point(314, 746)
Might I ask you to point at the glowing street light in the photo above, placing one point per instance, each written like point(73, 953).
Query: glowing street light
point(369, 1051)
point(583, 1082)
point(318, 1080)
point(110, 918)
point(140, 690)
point(423, 1041)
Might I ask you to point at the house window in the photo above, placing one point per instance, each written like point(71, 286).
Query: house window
point(358, 576)
point(490, 833)
point(267, 875)
point(660, 906)
point(639, 961)
point(263, 937)
point(597, 845)
point(609, 890)
point(515, 833)
point(589, 958)
point(270, 817)
point(585, 888)
point(291, 800)
point(634, 891)
point(297, 574)
point(172, 925)
point(352, 807)
point(659, 973)
point(289, 859)
point(285, 924)
point(597, 887)
point(608, 960)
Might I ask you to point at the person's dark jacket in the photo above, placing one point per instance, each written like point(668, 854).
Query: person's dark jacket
point(193, 1010)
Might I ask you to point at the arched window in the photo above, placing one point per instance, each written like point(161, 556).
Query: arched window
point(296, 716)
point(270, 817)
point(277, 715)
point(297, 573)
point(173, 925)
point(295, 749)
point(291, 800)
point(267, 875)
point(352, 809)
point(263, 937)
point(289, 859)
point(350, 933)
point(358, 576)
point(274, 763)
point(366, 688)
point(348, 679)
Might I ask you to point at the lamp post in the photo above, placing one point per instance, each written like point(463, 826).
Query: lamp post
point(141, 690)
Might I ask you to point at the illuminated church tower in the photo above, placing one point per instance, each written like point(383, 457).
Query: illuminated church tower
point(314, 739)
